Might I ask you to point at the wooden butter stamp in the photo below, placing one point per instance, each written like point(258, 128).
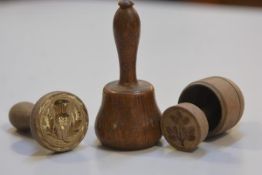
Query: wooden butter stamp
point(58, 121)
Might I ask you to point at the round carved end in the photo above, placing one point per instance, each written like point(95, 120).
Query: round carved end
point(184, 126)
point(59, 121)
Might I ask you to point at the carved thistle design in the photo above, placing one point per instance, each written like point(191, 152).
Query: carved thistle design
point(62, 121)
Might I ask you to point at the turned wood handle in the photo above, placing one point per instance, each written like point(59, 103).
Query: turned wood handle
point(127, 31)
point(19, 115)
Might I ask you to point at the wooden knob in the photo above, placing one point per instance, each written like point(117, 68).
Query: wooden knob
point(184, 126)
point(125, 4)
point(126, 27)
point(58, 121)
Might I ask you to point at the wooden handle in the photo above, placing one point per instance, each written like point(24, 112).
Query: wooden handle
point(19, 115)
point(127, 31)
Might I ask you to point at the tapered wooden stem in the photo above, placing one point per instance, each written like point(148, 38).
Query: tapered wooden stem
point(127, 32)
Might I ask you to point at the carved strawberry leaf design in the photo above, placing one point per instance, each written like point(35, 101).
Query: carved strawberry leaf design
point(181, 131)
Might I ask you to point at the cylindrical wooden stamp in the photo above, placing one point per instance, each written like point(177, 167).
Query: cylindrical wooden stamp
point(219, 98)
point(58, 121)
point(215, 103)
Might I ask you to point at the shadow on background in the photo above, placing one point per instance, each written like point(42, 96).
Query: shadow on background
point(25, 145)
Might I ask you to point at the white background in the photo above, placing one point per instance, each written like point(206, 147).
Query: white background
point(69, 45)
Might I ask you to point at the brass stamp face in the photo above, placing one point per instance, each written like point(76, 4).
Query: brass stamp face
point(181, 129)
point(59, 121)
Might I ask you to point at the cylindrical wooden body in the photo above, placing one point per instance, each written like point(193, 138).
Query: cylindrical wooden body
point(219, 98)
point(129, 118)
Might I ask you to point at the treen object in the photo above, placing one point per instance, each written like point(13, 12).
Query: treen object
point(216, 103)
point(58, 121)
point(129, 118)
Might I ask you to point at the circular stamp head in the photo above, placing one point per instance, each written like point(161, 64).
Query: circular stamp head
point(184, 126)
point(59, 121)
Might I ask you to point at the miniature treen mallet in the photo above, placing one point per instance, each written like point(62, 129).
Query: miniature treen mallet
point(129, 118)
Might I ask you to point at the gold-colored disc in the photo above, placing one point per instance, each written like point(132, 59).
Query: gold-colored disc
point(59, 121)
